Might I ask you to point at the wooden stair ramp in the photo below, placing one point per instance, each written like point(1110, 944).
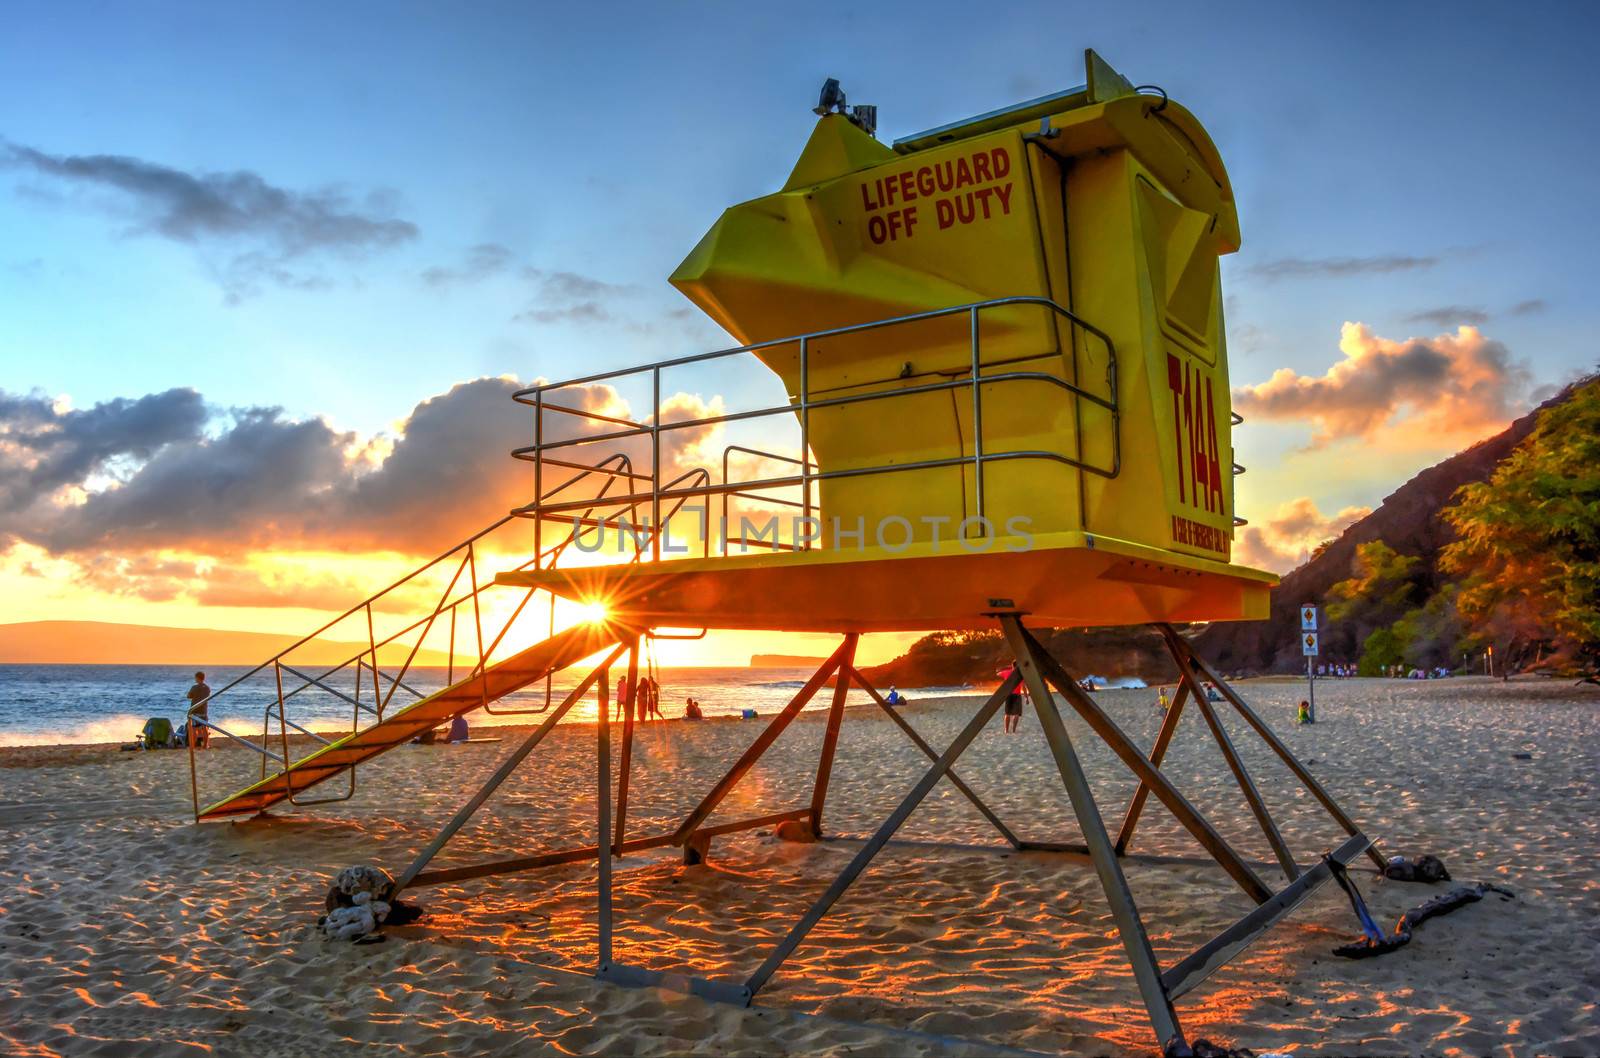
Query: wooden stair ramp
point(403, 725)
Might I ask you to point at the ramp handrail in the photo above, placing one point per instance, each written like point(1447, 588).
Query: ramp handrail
point(614, 467)
point(974, 380)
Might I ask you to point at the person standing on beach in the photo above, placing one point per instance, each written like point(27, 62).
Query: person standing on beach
point(624, 704)
point(1013, 702)
point(199, 709)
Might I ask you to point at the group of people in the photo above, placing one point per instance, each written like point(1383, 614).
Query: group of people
point(645, 701)
point(642, 700)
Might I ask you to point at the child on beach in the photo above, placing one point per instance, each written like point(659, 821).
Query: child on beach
point(1303, 714)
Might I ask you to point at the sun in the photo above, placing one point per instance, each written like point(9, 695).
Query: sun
point(593, 612)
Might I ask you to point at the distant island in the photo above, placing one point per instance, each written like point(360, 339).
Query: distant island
point(105, 643)
point(784, 661)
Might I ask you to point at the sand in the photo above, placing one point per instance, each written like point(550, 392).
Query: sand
point(127, 930)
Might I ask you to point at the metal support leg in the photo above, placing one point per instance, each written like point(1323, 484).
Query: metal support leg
point(830, 736)
point(929, 752)
point(630, 695)
point(1123, 746)
point(1158, 753)
point(502, 773)
point(1123, 909)
point(1182, 649)
point(1258, 807)
point(603, 825)
point(864, 856)
point(762, 743)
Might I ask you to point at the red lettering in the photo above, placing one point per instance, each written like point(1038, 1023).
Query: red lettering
point(1175, 384)
point(945, 213)
point(1003, 193)
point(925, 181)
point(867, 202)
point(980, 167)
point(907, 191)
point(877, 230)
point(1215, 463)
point(1002, 162)
point(963, 173)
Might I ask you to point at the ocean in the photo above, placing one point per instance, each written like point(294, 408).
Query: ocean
point(67, 704)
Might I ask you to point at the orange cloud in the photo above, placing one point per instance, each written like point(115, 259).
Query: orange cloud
point(1283, 541)
point(1452, 387)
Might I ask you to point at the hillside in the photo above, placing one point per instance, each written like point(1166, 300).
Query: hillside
point(784, 661)
point(104, 643)
point(1408, 520)
point(972, 658)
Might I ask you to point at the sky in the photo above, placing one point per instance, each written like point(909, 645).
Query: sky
point(269, 273)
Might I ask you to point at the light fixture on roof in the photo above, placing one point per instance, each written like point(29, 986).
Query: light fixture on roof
point(832, 100)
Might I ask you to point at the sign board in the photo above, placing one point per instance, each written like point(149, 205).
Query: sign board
point(1308, 644)
point(1308, 618)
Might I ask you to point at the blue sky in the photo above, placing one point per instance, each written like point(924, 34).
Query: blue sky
point(1412, 167)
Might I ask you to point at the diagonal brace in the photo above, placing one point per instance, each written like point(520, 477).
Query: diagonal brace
point(1123, 746)
point(875, 844)
point(929, 752)
point(762, 743)
point(1272, 740)
point(1124, 911)
point(1158, 753)
point(503, 772)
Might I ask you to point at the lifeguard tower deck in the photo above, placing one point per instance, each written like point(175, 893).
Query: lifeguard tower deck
point(1002, 401)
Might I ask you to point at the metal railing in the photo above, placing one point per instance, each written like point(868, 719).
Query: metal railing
point(547, 399)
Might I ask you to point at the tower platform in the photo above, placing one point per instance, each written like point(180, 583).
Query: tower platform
point(1062, 580)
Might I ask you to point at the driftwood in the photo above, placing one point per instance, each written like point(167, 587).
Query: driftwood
point(1439, 905)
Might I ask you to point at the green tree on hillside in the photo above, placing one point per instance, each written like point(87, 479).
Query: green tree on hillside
point(1528, 539)
point(1383, 588)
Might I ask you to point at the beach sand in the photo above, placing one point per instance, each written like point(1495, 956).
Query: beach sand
point(127, 930)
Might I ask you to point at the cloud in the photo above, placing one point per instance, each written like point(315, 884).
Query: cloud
point(1339, 267)
point(44, 447)
point(554, 296)
point(1528, 308)
point(264, 225)
point(479, 263)
point(1453, 386)
point(1283, 541)
point(157, 577)
point(569, 297)
point(1450, 316)
point(123, 478)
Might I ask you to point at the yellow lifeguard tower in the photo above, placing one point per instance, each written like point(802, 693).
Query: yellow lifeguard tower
point(1004, 400)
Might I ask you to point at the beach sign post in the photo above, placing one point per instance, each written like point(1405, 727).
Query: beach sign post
point(1308, 646)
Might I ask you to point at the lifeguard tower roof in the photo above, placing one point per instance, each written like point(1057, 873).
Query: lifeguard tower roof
point(1003, 355)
